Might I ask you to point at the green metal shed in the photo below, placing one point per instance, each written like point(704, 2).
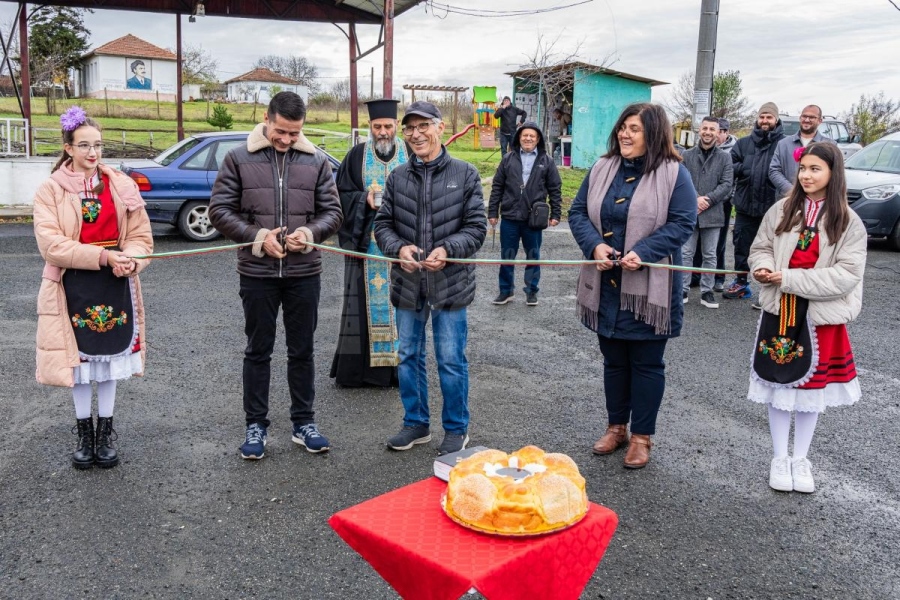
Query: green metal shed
point(593, 95)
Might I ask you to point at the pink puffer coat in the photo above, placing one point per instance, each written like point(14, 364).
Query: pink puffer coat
point(57, 227)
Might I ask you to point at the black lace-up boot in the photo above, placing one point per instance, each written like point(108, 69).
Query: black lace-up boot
point(106, 435)
point(83, 457)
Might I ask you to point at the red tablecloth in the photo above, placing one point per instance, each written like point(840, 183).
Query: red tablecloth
point(416, 548)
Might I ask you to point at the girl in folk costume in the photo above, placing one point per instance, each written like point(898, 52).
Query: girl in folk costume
point(89, 220)
point(809, 255)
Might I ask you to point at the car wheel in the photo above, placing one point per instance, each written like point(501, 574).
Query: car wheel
point(194, 223)
point(894, 237)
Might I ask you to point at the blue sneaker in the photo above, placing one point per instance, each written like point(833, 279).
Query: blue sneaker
point(254, 446)
point(309, 437)
point(737, 290)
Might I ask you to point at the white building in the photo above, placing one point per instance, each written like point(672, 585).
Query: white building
point(256, 86)
point(128, 68)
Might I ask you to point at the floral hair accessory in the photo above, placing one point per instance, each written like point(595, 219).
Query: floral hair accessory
point(73, 118)
point(798, 153)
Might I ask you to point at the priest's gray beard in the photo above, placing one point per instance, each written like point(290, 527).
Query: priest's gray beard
point(384, 147)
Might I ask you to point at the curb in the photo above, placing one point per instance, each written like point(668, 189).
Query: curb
point(12, 213)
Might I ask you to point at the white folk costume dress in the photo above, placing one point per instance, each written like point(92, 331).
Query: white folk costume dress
point(368, 345)
point(90, 322)
point(799, 365)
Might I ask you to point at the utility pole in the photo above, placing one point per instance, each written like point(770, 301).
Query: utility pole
point(706, 61)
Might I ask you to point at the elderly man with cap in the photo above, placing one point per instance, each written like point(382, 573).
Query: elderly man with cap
point(525, 177)
point(367, 346)
point(432, 210)
point(754, 193)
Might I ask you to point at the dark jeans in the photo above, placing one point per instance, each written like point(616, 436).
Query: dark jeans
point(299, 299)
point(723, 239)
point(745, 228)
point(505, 140)
point(634, 378)
point(510, 234)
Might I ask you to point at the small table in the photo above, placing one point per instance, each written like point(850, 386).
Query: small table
point(422, 554)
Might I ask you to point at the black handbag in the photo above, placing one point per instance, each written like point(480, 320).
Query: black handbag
point(539, 215)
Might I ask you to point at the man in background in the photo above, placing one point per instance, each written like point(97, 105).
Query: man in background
point(509, 121)
point(783, 169)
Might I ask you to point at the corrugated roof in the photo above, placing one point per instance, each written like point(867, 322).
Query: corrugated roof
point(587, 66)
point(133, 46)
point(264, 75)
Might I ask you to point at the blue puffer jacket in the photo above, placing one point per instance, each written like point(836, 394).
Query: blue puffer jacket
point(665, 241)
point(438, 205)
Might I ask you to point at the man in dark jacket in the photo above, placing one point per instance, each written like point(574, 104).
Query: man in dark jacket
point(754, 193)
point(508, 115)
point(432, 210)
point(726, 142)
point(526, 176)
point(276, 194)
point(711, 173)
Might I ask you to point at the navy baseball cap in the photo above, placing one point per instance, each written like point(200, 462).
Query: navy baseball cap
point(422, 109)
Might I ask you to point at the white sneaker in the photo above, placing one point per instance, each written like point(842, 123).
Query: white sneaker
point(780, 475)
point(801, 470)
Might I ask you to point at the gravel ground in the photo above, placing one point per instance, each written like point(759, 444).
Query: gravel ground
point(184, 517)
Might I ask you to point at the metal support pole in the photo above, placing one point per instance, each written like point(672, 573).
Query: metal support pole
point(389, 48)
point(706, 61)
point(25, 68)
point(354, 95)
point(179, 112)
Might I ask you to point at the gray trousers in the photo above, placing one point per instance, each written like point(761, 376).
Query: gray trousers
point(709, 239)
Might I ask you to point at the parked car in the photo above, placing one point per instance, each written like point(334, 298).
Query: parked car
point(873, 187)
point(177, 184)
point(831, 128)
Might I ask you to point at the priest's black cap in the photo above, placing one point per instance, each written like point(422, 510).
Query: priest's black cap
point(383, 108)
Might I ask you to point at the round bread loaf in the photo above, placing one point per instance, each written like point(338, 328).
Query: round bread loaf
point(526, 492)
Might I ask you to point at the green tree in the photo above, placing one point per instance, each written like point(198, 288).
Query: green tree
point(221, 118)
point(57, 40)
point(275, 89)
point(728, 100)
point(873, 117)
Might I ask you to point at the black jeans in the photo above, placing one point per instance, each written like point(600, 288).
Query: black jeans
point(634, 378)
point(745, 228)
point(505, 141)
point(299, 299)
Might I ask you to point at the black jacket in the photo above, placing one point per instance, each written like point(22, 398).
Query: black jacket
point(754, 194)
point(443, 207)
point(508, 196)
point(247, 202)
point(508, 117)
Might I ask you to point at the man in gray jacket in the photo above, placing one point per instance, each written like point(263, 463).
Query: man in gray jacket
point(783, 168)
point(277, 193)
point(432, 210)
point(712, 174)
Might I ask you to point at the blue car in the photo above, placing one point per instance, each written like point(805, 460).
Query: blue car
point(177, 184)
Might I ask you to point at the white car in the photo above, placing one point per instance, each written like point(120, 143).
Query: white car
point(873, 187)
point(830, 128)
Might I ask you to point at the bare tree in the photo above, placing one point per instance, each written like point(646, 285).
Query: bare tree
point(550, 71)
point(197, 65)
point(728, 99)
point(297, 68)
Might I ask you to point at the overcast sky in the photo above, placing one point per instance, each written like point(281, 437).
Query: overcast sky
point(793, 53)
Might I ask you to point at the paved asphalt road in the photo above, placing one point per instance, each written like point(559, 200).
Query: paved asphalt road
point(184, 517)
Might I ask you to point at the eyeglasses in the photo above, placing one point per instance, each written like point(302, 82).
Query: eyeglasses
point(84, 147)
point(421, 128)
point(809, 117)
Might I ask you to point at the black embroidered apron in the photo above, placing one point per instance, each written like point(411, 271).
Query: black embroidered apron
point(101, 312)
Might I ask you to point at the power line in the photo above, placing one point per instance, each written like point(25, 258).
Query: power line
point(496, 14)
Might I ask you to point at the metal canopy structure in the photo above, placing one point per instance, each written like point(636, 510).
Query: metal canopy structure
point(349, 12)
point(439, 88)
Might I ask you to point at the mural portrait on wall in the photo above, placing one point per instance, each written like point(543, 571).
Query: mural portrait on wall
point(140, 79)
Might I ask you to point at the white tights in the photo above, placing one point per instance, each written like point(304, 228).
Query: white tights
point(780, 427)
point(106, 399)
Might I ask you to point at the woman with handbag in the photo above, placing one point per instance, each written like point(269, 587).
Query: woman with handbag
point(636, 206)
point(810, 256)
point(89, 221)
point(525, 178)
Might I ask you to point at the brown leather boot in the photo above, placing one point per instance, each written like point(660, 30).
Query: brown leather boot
point(615, 437)
point(638, 454)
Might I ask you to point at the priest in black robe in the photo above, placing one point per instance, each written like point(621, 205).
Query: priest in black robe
point(367, 347)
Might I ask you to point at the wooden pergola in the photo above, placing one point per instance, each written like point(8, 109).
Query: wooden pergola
point(338, 12)
point(438, 88)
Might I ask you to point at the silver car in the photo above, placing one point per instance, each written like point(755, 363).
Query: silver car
point(830, 128)
point(873, 187)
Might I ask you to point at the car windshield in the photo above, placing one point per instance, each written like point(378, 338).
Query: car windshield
point(790, 127)
point(171, 154)
point(882, 156)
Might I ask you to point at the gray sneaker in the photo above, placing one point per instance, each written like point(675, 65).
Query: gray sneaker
point(453, 442)
point(409, 437)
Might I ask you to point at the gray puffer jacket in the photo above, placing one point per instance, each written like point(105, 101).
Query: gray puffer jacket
point(248, 201)
point(435, 205)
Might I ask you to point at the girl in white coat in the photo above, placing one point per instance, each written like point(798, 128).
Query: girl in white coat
point(809, 255)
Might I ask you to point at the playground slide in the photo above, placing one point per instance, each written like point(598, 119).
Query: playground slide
point(460, 134)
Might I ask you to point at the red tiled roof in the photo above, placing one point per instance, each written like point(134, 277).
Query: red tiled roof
point(132, 46)
point(265, 75)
